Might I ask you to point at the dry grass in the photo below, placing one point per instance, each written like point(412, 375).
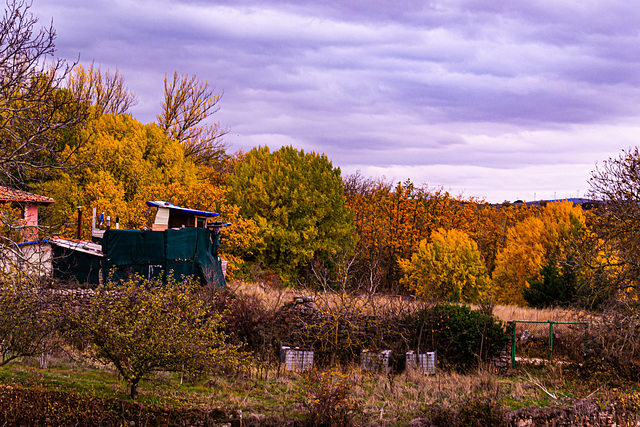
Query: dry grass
point(511, 312)
point(274, 297)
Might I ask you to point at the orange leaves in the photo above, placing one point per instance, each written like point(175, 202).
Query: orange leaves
point(549, 237)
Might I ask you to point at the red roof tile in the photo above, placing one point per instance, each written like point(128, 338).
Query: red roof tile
point(12, 195)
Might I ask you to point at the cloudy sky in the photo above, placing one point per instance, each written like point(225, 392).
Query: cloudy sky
point(501, 100)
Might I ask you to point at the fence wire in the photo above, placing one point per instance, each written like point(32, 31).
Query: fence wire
point(538, 341)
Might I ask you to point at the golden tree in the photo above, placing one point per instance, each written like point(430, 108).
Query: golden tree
point(549, 238)
point(449, 267)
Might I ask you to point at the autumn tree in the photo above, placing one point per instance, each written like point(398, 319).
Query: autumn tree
point(297, 200)
point(448, 267)
point(614, 260)
point(188, 102)
point(106, 91)
point(391, 220)
point(238, 241)
point(116, 169)
point(549, 238)
point(143, 326)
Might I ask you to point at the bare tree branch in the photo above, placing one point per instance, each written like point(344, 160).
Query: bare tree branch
point(106, 91)
point(33, 107)
point(188, 102)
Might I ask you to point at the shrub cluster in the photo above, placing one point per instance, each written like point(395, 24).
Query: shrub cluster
point(52, 407)
point(462, 337)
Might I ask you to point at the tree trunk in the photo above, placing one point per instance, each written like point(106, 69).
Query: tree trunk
point(134, 390)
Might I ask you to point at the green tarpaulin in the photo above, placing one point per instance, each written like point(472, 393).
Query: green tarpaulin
point(185, 252)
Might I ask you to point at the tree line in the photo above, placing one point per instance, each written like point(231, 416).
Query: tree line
point(67, 132)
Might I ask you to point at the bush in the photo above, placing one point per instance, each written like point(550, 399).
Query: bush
point(248, 323)
point(327, 399)
point(461, 336)
point(34, 407)
point(557, 288)
point(481, 413)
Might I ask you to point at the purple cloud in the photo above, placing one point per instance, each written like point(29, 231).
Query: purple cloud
point(491, 99)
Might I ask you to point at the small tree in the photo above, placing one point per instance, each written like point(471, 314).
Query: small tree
point(450, 267)
point(29, 319)
point(142, 326)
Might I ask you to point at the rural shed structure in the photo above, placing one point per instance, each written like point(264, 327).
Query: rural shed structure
point(172, 216)
point(185, 251)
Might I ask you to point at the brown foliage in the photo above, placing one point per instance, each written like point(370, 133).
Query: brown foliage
point(34, 407)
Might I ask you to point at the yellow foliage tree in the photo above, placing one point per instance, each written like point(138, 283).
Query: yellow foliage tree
point(115, 169)
point(549, 237)
point(449, 267)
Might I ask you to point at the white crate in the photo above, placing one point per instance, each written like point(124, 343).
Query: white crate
point(296, 359)
point(424, 362)
point(375, 361)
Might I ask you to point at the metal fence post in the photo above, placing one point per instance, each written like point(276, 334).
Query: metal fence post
point(513, 344)
point(550, 341)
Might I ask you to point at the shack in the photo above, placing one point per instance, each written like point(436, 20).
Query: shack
point(181, 242)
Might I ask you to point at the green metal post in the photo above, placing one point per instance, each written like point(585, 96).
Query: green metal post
point(513, 344)
point(550, 341)
point(586, 337)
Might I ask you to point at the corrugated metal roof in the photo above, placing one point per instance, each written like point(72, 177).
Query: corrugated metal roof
point(13, 195)
point(167, 205)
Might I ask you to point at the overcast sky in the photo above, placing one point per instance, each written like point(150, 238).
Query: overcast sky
point(501, 100)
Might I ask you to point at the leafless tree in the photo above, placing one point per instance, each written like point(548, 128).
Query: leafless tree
point(33, 107)
point(37, 115)
point(107, 92)
point(188, 102)
point(615, 188)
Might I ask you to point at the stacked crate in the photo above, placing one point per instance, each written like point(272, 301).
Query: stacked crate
point(375, 361)
point(296, 359)
point(424, 362)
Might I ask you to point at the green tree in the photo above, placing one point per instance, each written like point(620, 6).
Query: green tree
point(557, 287)
point(297, 200)
point(449, 267)
point(143, 326)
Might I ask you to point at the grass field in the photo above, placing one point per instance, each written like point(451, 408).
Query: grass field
point(270, 396)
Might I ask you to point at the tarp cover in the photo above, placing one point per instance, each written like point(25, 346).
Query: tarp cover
point(186, 251)
point(80, 266)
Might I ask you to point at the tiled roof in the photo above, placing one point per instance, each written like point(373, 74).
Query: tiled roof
point(12, 195)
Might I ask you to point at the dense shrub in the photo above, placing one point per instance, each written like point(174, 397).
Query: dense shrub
point(327, 399)
point(557, 288)
point(248, 323)
point(34, 407)
point(461, 336)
